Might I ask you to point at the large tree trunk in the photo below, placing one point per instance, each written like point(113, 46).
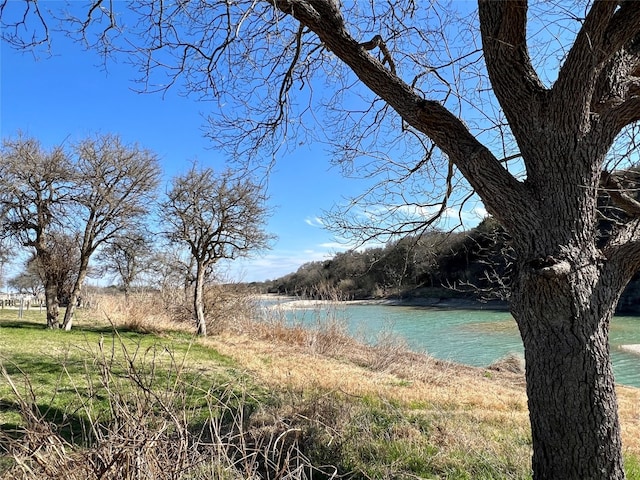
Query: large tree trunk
point(52, 303)
point(75, 294)
point(563, 314)
point(198, 302)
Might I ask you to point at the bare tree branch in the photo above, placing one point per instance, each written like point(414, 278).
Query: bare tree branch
point(428, 117)
point(514, 80)
point(618, 194)
point(577, 78)
point(386, 55)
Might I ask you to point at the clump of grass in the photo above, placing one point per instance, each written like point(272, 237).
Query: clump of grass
point(156, 312)
point(139, 312)
point(317, 330)
point(632, 467)
point(511, 362)
point(322, 337)
point(227, 306)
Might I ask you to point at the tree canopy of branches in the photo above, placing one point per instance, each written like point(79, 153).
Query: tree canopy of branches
point(534, 104)
point(115, 185)
point(34, 196)
point(215, 217)
point(64, 205)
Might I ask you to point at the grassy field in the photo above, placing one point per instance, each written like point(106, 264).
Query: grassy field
point(144, 399)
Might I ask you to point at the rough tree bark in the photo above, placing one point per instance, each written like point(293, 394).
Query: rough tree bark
point(81, 275)
point(52, 302)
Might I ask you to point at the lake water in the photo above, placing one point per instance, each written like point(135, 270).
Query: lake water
point(472, 337)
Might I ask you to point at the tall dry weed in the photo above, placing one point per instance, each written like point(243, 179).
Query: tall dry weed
point(228, 306)
point(140, 312)
point(320, 329)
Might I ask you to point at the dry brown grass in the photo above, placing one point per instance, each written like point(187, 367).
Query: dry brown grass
point(326, 357)
point(140, 312)
point(153, 312)
point(472, 409)
point(473, 404)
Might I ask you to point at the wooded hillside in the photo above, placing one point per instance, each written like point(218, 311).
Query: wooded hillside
point(471, 264)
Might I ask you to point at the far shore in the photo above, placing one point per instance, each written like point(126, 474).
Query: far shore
point(288, 302)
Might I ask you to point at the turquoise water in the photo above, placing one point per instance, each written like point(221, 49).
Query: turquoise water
point(472, 337)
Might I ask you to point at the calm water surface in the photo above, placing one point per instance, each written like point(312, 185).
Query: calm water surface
point(472, 337)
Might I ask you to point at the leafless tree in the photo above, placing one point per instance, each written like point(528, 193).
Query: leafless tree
point(215, 216)
point(34, 193)
point(28, 281)
point(549, 95)
point(127, 255)
point(113, 190)
point(83, 198)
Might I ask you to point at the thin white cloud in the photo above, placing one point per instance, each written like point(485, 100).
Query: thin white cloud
point(450, 217)
point(273, 265)
point(335, 246)
point(314, 222)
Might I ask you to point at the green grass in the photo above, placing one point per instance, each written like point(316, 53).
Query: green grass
point(93, 387)
point(69, 376)
point(94, 392)
point(632, 467)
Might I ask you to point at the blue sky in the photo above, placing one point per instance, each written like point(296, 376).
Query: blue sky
point(68, 96)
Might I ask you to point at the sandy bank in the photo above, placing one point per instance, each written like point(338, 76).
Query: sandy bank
point(631, 348)
point(288, 303)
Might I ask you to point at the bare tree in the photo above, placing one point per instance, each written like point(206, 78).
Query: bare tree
point(113, 190)
point(34, 193)
point(28, 281)
point(54, 199)
point(128, 255)
point(550, 114)
point(215, 217)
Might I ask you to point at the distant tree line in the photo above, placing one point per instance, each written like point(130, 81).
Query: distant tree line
point(472, 262)
point(475, 264)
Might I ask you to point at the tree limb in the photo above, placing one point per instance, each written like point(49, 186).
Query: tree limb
point(623, 251)
point(618, 195)
point(484, 172)
point(623, 27)
point(377, 41)
point(514, 80)
point(573, 91)
point(618, 88)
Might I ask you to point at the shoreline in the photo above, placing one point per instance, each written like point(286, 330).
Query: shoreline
point(632, 348)
point(288, 302)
